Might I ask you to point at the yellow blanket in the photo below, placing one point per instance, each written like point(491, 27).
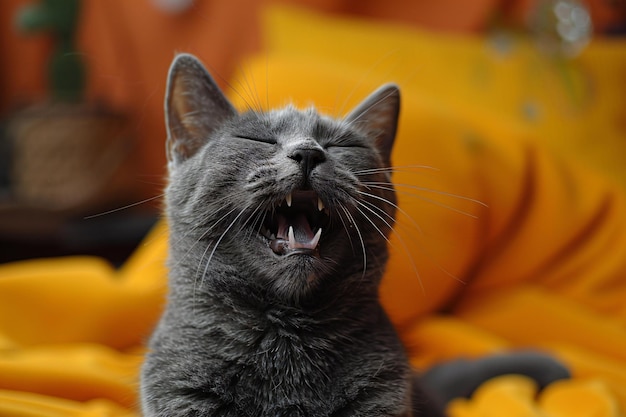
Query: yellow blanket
point(500, 244)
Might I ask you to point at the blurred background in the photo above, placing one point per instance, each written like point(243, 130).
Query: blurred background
point(82, 82)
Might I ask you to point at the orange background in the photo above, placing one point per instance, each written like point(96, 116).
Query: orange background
point(128, 46)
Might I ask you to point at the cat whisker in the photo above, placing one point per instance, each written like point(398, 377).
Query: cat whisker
point(394, 205)
point(400, 238)
point(346, 228)
point(215, 246)
point(382, 59)
point(366, 217)
point(255, 91)
point(202, 224)
point(426, 199)
point(358, 231)
point(240, 95)
point(250, 88)
point(228, 84)
point(200, 238)
point(371, 207)
point(413, 222)
point(405, 248)
point(197, 280)
point(256, 224)
point(267, 80)
point(430, 190)
point(115, 210)
point(219, 240)
point(395, 168)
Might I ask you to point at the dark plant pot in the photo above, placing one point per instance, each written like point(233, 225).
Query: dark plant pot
point(70, 157)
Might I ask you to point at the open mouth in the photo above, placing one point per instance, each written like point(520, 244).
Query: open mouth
point(296, 225)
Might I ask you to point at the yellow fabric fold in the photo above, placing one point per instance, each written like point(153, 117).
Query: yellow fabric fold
point(26, 404)
point(520, 397)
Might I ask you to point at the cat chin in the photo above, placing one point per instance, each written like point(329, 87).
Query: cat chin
point(300, 275)
point(293, 292)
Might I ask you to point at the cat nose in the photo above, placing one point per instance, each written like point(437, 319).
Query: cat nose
point(308, 158)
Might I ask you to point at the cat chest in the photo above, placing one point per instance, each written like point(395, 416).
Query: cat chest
point(284, 374)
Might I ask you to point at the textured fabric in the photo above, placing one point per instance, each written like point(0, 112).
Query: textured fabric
point(515, 227)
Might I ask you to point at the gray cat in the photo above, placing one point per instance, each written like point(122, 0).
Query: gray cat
point(277, 248)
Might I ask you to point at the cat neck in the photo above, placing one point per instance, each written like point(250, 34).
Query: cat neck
point(225, 293)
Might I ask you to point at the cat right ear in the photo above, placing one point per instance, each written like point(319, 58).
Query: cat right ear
point(377, 116)
point(194, 108)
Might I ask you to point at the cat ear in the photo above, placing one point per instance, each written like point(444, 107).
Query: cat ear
point(194, 108)
point(377, 116)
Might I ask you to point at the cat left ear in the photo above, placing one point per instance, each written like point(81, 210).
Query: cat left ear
point(377, 117)
point(194, 107)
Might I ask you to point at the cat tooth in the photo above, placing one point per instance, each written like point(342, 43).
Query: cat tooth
point(320, 204)
point(292, 238)
point(316, 239)
point(272, 236)
point(288, 200)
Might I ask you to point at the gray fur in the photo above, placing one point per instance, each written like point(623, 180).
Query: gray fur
point(247, 330)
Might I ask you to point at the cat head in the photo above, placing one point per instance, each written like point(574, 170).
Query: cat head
point(291, 201)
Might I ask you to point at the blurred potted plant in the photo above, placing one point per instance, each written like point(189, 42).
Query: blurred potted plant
point(68, 155)
point(66, 69)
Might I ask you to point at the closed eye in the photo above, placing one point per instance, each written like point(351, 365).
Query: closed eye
point(345, 141)
point(270, 141)
point(344, 145)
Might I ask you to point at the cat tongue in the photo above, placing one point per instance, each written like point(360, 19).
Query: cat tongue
point(297, 231)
